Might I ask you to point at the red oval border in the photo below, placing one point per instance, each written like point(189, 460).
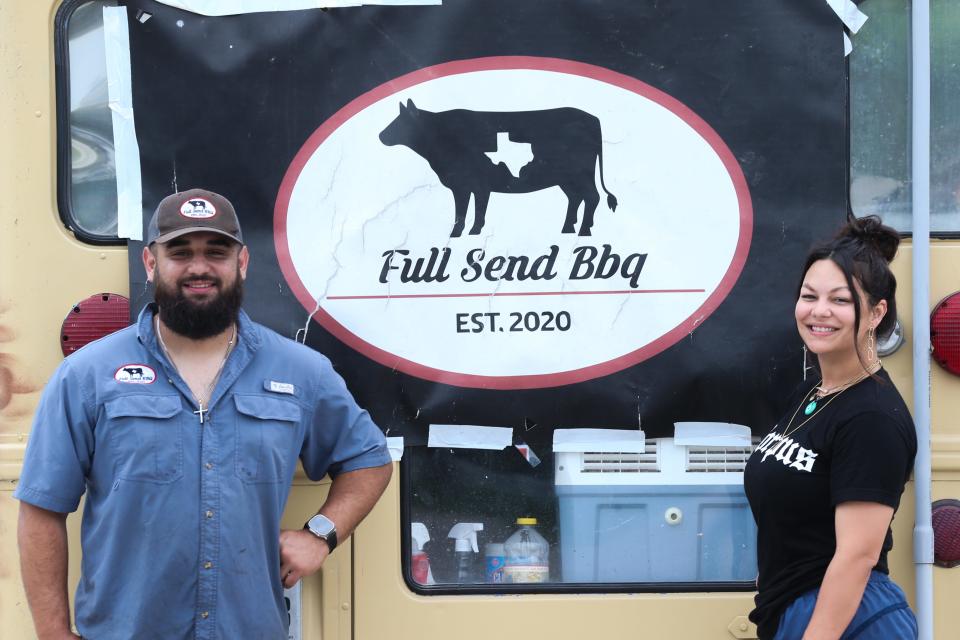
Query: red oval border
point(497, 63)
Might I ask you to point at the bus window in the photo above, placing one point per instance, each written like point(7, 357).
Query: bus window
point(663, 517)
point(87, 175)
point(880, 115)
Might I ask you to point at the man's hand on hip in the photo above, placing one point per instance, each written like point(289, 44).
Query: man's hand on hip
point(301, 555)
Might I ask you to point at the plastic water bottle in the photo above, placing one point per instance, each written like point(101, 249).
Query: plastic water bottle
point(527, 554)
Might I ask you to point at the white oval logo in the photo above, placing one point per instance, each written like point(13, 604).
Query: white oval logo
point(198, 208)
point(513, 222)
point(135, 374)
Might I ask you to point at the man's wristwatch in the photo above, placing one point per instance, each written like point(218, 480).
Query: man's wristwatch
point(323, 527)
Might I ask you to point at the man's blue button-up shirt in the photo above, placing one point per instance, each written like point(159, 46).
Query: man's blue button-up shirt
point(181, 522)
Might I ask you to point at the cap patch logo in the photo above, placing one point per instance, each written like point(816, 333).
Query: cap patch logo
point(198, 208)
point(135, 374)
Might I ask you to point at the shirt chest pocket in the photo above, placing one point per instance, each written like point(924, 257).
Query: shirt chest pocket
point(145, 437)
point(266, 436)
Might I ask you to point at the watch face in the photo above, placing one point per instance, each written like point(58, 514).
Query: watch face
point(320, 525)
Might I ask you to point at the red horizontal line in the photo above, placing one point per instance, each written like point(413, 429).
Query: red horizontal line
point(518, 293)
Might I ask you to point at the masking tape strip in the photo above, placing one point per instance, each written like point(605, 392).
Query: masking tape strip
point(852, 18)
point(599, 440)
point(126, 150)
point(463, 436)
point(849, 13)
point(395, 445)
point(236, 7)
point(711, 434)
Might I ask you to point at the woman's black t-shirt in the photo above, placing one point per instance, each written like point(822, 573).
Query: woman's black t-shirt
point(858, 446)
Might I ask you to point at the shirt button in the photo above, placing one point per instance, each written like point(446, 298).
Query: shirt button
point(205, 615)
point(209, 514)
point(209, 466)
point(207, 565)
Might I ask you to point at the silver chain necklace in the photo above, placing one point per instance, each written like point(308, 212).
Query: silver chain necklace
point(206, 392)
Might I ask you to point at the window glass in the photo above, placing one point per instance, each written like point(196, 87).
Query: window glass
point(945, 126)
point(669, 517)
point(92, 192)
point(880, 115)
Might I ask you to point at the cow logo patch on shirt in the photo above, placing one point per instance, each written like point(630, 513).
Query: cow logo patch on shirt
point(537, 222)
point(135, 374)
point(198, 208)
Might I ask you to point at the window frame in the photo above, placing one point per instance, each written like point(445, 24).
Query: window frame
point(472, 589)
point(64, 159)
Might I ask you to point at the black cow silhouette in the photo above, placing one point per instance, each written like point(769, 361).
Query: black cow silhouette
point(566, 145)
point(134, 372)
point(198, 205)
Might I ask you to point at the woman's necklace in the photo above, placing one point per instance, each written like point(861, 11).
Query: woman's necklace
point(206, 392)
point(819, 393)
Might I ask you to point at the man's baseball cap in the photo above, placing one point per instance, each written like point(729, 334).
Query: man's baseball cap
point(191, 211)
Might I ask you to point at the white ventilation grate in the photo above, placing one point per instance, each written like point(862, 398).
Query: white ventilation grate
point(623, 462)
point(717, 459)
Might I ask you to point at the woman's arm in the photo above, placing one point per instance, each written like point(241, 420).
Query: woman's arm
point(861, 528)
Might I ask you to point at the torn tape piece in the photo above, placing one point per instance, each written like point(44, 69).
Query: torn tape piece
point(849, 13)
point(395, 446)
point(599, 440)
point(462, 436)
point(711, 434)
point(528, 453)
point(237, 7)
point(126, 150)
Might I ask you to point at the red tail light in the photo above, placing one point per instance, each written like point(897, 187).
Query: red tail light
point(93, 318)
point(946, 533)
point(945, 333)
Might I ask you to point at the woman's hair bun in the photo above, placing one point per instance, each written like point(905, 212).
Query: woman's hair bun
point(870, 231)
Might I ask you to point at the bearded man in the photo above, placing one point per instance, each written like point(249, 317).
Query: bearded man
point(184, 432)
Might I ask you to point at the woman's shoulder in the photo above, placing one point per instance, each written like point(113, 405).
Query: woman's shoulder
point(876, 402)
point(879, 393)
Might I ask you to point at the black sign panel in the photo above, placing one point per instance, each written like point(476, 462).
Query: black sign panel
point(575, 214)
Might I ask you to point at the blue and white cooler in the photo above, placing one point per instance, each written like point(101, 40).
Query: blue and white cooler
point(661, 510)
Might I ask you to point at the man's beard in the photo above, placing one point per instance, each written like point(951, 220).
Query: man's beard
point(199, 321)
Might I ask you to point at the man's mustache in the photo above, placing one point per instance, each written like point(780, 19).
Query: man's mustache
point(217, 282)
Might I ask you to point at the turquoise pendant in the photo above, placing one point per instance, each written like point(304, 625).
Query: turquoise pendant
point(810, 408)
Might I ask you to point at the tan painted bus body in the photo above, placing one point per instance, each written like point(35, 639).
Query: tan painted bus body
point(361, 595)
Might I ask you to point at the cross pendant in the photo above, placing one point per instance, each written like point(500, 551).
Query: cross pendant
point(201, 411)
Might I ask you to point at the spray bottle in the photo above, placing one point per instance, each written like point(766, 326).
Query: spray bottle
point(419, 562)
point(465, 550)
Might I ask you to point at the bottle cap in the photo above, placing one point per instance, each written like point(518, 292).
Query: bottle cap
point(530, 521)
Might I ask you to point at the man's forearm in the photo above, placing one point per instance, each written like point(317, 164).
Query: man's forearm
point(42, 538)
point(353, 494)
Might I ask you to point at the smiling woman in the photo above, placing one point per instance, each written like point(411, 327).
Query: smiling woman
point(846, 448)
